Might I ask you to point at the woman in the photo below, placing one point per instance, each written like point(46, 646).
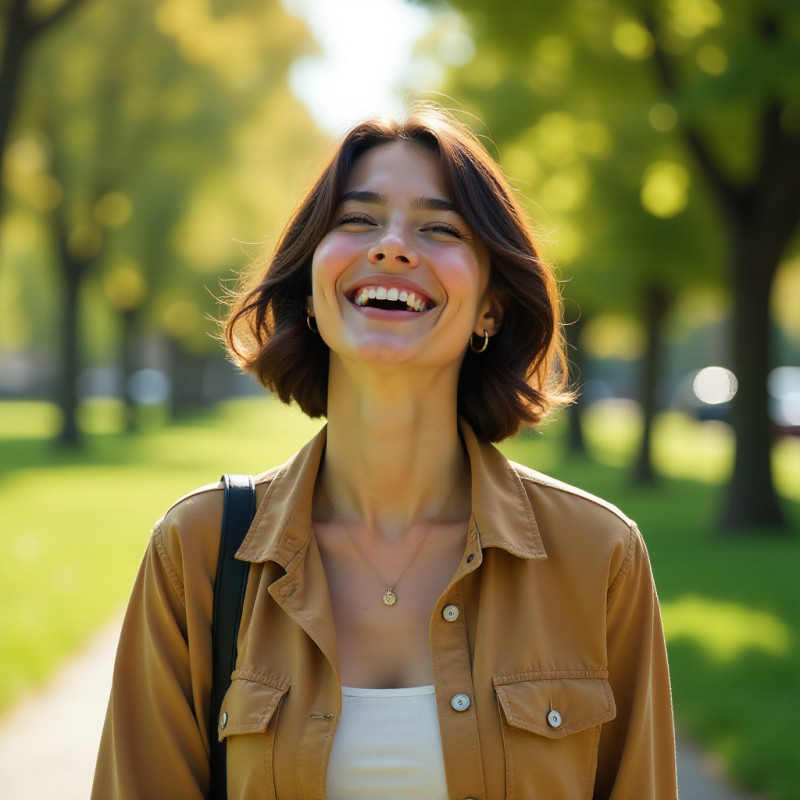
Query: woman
point(423, 618)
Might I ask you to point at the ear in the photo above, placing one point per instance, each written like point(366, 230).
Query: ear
point(492, 309)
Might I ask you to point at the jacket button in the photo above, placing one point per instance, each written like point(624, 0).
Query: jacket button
point(450, 613)
point(460, 702)
point(223, 720)
point(554, 719)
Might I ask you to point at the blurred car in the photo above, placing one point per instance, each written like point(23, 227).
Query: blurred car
point(784, 399)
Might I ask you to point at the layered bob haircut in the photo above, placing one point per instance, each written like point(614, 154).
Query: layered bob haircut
point(522, 374)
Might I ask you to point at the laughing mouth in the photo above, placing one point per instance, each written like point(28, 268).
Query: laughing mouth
point(390, 299)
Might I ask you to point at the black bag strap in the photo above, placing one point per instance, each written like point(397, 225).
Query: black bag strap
point(229, 587)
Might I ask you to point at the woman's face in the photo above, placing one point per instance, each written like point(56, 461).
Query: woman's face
point(400, 277)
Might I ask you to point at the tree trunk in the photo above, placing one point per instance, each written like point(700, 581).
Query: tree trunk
point(656, 302)
point(72, 269)
point(761, 216)
point(19, 32)
point(14, 44)
point(575, 439)
point(187, 380)
point(128, 365)
point(70, 435)
point(751, 499)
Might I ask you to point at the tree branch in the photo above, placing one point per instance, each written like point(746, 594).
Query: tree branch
point(728, 196)
point(777, 189)
point(777, 181)
point(35, 28)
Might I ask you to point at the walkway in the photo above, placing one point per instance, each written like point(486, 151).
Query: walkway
point(64, 722)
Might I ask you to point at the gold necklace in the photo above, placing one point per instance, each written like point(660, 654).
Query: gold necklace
point(389, 596)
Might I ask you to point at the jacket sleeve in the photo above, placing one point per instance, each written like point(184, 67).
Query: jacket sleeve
point(636, 758)
point(154, 743)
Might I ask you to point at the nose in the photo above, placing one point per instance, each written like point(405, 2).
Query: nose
point(393, 248)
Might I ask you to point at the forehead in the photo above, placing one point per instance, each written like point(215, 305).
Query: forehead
point(399, 168)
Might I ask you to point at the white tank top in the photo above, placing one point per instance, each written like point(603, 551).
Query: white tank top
point(387, 746)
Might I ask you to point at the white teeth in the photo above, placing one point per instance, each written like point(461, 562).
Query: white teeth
point(392, 294)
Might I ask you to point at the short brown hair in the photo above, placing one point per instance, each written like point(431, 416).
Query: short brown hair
point(523, 372)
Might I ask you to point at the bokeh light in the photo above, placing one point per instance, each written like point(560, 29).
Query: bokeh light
point(715, 385)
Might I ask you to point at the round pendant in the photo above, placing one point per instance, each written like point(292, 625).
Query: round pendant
point(390, 598)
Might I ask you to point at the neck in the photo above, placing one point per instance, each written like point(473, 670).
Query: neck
point(393, 454)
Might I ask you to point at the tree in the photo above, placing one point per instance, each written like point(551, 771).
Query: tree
point(760, 214)
point(21, 28)
point(681, 89)
point(145, 107)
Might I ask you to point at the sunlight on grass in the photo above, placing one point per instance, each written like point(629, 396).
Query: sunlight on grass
point(787, 466)
point(724, 631)
point(29, 419)
point(101, 415)
point(612, 430)
point(540, 449)
point(80, 521)
point(683, 447)
point(686, 448)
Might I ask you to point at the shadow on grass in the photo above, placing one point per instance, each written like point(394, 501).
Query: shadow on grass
point(97, 449)
point(746, 709)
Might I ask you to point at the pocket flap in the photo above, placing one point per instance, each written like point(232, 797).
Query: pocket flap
point(249, 704)
point(556, 707)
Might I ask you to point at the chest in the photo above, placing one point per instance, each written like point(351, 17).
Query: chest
point(384, 645)
point(505, 639)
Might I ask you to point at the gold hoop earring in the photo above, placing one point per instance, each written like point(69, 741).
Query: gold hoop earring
point(312, 326)
point(483, 346)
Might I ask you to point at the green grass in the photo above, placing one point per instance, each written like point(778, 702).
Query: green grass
point(75, 525)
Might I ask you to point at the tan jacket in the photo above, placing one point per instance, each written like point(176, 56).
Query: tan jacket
point(557, 645)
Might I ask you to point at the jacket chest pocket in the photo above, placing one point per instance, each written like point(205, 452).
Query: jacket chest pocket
point(247, 722)
point(551, 728)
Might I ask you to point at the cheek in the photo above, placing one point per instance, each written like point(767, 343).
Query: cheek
point(333, 254)
point(462, 276)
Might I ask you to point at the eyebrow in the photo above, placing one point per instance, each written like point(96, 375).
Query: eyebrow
point(421, 203)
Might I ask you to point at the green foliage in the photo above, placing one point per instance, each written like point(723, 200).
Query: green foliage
point(163, 133)
point(664, 138)
point(571, 94)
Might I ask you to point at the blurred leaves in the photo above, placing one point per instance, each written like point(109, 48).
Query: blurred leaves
point(151, 137)
point(662, 140)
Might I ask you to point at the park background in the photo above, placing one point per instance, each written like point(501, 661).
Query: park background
point(152, 149)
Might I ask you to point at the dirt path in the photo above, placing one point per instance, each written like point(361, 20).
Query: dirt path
point(48, 742)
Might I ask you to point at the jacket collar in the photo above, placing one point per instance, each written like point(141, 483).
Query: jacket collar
point(501, 508)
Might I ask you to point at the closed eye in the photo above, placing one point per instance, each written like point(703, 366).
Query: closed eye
point(445, 228)
point(355, 218)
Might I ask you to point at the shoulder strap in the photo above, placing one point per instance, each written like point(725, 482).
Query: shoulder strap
point(229, 587)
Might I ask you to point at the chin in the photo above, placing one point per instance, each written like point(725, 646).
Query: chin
point(377, 350)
